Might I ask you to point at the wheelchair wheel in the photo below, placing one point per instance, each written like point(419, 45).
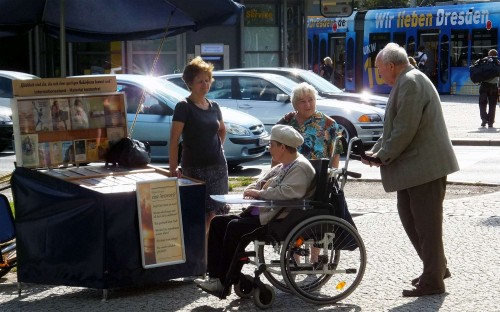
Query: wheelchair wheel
point(264, 296)
point(244, 288)
point(271, 257)
point(10, 260)
point(335, 279)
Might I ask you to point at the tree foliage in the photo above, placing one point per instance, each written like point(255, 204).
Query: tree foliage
point(388, 4)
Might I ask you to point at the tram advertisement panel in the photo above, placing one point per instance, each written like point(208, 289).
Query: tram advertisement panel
point(410, 27)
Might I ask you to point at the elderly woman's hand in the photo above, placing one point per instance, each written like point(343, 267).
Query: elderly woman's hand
point(251, 194)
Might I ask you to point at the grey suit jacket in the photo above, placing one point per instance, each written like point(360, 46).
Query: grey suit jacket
point(415, 147)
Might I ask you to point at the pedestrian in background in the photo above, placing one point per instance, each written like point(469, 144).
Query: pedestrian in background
point(421, 59)
point(412, 62)
point(488, 95)
point(415, 156)
point(200, 123)
point(326, 69)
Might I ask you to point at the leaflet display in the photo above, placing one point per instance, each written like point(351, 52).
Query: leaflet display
point(50, 131)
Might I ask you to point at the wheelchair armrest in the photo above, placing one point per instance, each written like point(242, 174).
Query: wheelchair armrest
point(296, 203)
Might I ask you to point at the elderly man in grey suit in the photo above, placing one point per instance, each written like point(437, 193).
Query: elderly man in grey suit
point(415, 156)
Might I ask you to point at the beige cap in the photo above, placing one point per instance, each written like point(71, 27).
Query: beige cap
point(286, 135)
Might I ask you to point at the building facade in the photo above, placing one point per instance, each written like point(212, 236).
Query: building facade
point(270, 33)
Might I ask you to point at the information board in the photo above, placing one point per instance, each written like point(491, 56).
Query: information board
point(67, 127)
point(160, 222)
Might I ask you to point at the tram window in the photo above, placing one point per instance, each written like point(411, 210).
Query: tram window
point(380, 40)
point(399, 38)
point(459, 48)
point(410, 49)
point(482, 41)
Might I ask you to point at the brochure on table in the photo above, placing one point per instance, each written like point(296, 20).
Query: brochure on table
point(61, 121)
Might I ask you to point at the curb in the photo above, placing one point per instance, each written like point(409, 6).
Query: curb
point(351, 180)
point(475, 142)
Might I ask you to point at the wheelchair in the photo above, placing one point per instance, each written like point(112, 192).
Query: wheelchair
point(282, 249)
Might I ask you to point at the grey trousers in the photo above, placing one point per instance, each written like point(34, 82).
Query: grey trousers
point(420, 209)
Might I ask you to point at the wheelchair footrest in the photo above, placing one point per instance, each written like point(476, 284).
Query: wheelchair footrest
point(247, 254)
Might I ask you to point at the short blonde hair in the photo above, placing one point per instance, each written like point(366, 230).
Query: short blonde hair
point(328, 61)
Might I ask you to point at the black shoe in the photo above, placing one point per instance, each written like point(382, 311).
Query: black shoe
point(415, 281)
point(490, 126)
point(483, 124)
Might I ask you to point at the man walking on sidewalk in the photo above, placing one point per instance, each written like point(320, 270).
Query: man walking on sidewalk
point(415, 156)
point(488, 94)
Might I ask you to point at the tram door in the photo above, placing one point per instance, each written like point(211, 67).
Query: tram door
point(430, 41)
point(443, 67)
point(337, 53)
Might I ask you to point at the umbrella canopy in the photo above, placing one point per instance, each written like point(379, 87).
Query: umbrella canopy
point(115, 20)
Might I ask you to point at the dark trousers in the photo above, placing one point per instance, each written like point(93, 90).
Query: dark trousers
point(223, 238)
point(488, 95)
point(420, 209)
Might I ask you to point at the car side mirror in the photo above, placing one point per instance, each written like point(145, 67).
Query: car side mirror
point(282, 98)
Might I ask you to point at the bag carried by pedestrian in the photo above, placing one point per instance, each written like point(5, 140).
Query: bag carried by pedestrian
point(420, 66)
point(484, 69)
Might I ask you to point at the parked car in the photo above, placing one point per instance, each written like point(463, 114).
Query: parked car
point(267, 97)
point(6, 95)
point(324, 87)
point(246, 138)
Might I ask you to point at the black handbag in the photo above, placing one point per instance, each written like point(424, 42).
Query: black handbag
point(129, 153)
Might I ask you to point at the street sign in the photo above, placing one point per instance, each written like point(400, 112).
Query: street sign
point(341, 8)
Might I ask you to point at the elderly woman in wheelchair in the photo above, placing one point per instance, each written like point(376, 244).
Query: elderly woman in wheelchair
point(289, 219)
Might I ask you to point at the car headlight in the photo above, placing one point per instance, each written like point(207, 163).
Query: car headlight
point(370, 118)
point(236, 129)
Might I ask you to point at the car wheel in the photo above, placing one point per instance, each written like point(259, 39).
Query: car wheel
point(345, 128)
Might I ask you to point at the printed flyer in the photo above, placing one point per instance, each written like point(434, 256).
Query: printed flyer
point(160, 222)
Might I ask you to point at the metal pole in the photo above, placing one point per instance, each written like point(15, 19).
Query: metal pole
point(62, 40)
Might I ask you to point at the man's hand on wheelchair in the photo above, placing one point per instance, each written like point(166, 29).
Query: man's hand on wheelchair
point(371, 159)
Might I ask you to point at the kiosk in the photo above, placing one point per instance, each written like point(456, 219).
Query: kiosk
point(79, 225)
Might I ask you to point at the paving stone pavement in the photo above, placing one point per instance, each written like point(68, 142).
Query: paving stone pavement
point(471, 231)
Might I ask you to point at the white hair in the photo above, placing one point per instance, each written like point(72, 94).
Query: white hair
point(393, 53)
point(301, 90)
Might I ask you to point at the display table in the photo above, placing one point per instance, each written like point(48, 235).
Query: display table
point(71, 235)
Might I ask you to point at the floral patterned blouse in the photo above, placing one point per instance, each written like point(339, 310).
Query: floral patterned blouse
point(319, 133)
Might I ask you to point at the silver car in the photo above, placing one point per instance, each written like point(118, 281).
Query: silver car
point(267, 97)
point(323, 86)
point(6, 95)
point(246, 136)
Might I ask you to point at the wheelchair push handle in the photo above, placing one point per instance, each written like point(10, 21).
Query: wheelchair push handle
point(356, 151)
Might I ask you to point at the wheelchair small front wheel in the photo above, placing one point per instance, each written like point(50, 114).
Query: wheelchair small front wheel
point(244, 288)
point(343, 265)
point(264, 296)
point(267, 254)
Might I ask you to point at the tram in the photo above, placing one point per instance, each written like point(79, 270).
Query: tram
point(454, 36)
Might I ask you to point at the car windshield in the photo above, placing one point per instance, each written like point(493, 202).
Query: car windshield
point(320, 83)
point(284, 83)
point(170, 92)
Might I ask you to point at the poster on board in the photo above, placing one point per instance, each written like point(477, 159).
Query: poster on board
point(160, 222)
